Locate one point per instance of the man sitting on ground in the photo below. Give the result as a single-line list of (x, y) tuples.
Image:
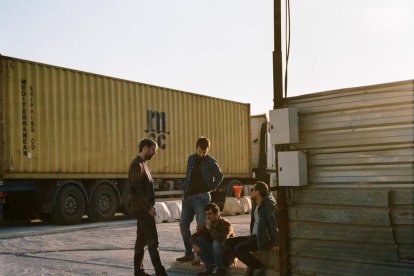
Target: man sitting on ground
[(263, 230), (208, 241)]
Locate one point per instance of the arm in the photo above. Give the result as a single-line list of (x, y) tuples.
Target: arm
[(222, 233), (271, 221), (187, 174), (136, 188), (217, 173), (200, 232)]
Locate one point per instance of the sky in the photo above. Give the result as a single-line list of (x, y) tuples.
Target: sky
[(220, 48)]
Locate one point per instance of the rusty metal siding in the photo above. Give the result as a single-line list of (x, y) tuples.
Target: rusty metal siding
[(360, 136), (85, 125), (360, 150)]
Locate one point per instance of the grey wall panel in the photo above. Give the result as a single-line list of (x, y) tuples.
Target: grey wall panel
[(360, 152)]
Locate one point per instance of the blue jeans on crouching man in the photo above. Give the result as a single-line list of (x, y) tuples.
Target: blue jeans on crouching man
[(211, 253), (192, 205)]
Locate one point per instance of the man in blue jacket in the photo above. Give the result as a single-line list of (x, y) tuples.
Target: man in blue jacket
[(264, 234), (203, 176)]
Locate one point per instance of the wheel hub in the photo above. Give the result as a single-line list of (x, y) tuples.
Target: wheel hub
[(104, 203), (71, 205)]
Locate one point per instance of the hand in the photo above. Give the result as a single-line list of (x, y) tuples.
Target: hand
[(275, 249), (208, 224), (152, 212), (196, 249)]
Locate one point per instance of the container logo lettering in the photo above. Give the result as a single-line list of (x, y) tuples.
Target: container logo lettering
[(157, 127), (28, 125)]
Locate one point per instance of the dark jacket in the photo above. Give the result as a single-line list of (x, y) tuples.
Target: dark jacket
[(219, 231), (210, 171), (267, 232), (141, 190)]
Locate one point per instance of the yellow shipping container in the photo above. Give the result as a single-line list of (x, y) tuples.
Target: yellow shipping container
[(58, 123)]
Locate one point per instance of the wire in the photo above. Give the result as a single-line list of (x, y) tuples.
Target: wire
[(287, 42)]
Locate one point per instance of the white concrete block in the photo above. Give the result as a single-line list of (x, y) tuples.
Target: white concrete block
[(175, 209), (163, 214), (230, 206), (247, 204)]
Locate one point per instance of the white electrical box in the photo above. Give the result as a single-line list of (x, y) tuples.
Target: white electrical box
[(272, 179), (270, 154), (284, 126), (292, 168)]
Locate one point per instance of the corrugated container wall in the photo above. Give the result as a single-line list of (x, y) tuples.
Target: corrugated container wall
[(356, 216), (256, 122), (61, 123)]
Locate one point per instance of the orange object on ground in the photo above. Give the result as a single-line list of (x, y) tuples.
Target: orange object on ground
[(237, 191)]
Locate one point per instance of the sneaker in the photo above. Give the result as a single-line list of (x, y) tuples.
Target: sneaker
[(185, 258)]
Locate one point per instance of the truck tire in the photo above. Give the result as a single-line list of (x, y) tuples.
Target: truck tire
[(70, 205), (104, 203)]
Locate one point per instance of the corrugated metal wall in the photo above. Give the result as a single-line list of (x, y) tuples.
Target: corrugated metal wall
[(356, 216), (65, 123)]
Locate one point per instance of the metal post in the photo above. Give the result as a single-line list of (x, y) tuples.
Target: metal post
[(283, 222), (277, 58)]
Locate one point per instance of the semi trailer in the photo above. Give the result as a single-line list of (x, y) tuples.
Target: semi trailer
[(67, 138)]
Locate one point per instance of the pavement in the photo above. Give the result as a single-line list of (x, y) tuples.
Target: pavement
[(104, 248)]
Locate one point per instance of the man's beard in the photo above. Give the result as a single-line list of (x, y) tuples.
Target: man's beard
[(149, 156), (199, 157)]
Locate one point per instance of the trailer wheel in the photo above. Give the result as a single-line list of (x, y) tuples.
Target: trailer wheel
[(70, 206), (104, 203)]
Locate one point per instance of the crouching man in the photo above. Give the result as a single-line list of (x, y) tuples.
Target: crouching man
[(263, 230), (209, 239)]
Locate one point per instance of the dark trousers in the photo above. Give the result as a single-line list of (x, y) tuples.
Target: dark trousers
[(147, 235), (241, 247)]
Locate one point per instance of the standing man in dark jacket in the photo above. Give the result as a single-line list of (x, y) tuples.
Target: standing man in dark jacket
[(264, 234), (141, 205), (203, 176)]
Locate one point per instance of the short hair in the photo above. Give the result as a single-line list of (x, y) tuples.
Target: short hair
[(203, 143), (262, 188), (147, 142), (212, 206)]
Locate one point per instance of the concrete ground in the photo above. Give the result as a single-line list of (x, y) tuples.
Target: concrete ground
[(104, 248)]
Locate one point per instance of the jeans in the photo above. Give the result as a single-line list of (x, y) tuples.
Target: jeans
[(212, 253), (192, 205), (241, 247), (147, 235)]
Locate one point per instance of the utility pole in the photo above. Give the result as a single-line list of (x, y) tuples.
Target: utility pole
[(277, 57), (278, 102)]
